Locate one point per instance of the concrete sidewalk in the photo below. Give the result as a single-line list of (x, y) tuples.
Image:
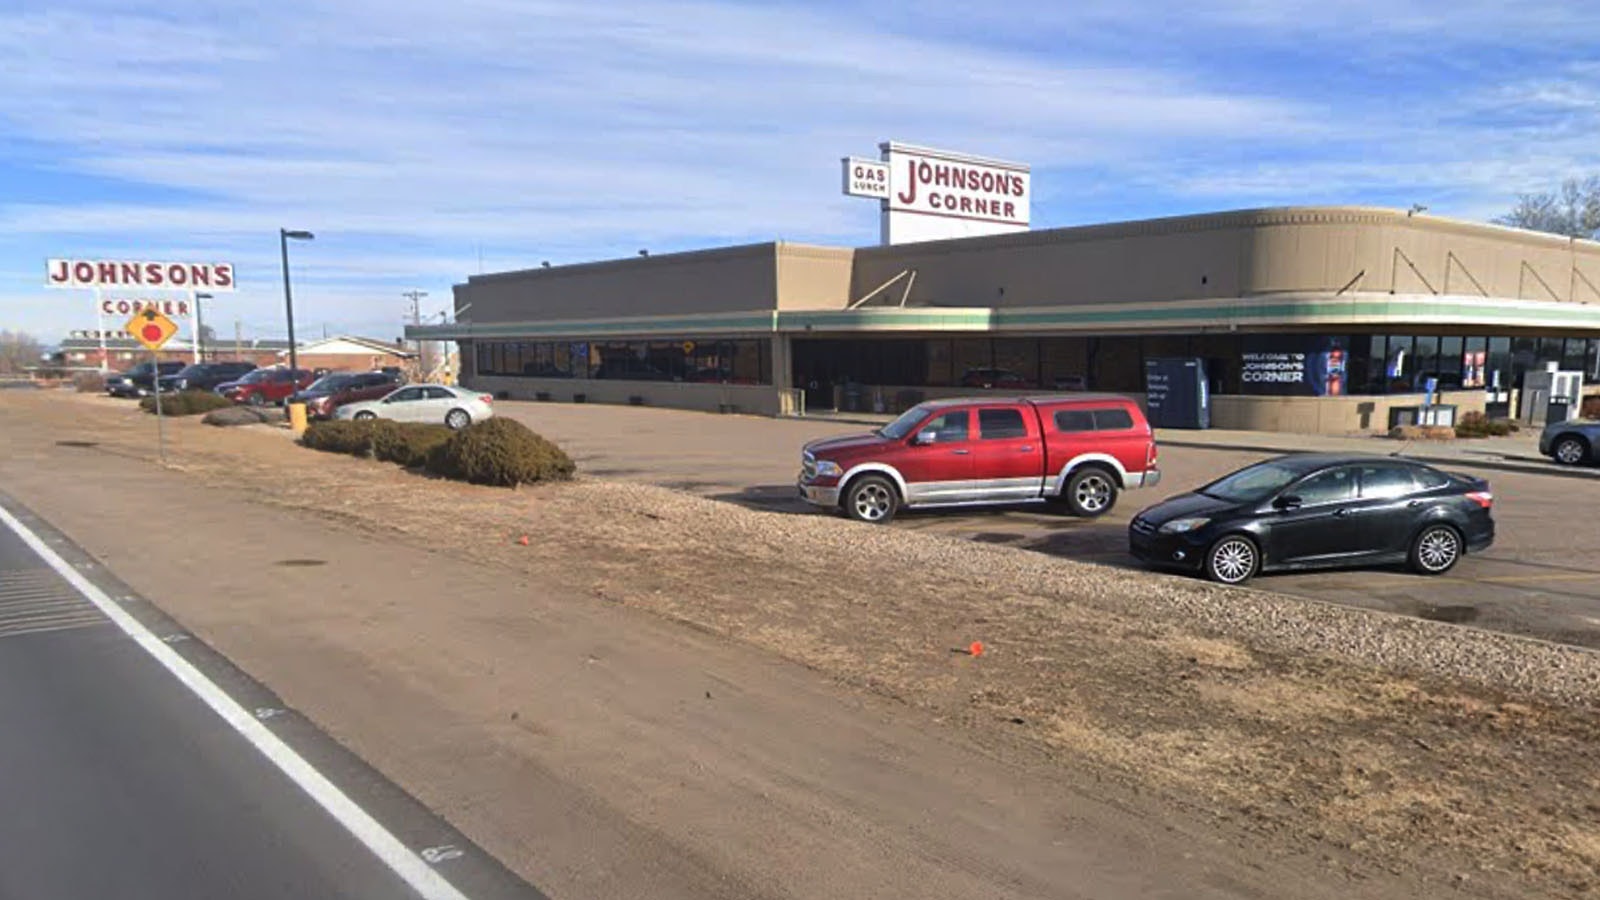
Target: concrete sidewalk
[(1514, 453)]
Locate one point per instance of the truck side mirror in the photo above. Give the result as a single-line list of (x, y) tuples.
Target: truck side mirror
[(925, 437)]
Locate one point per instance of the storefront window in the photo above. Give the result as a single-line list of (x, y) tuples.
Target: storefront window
[(1118, 365), (1591, 365), (1425, 354), (1572, 358), (1475, 362), (1018, 361), (1524, 356), (937, 356), (1367, 360), (1450, 369), (1221, 353), (972, 359), (1499, 364), (1399, 364), (1064, 362)]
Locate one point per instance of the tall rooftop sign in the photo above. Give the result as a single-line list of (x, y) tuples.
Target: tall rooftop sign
[(931, 195)]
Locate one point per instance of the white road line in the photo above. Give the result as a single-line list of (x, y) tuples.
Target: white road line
[(361, 825)]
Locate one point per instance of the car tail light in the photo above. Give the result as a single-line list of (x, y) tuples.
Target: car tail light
[(1484, 499), (487, 398)]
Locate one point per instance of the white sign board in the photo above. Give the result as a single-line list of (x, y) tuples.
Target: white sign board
[(866, 177), (937, 194), (119, 273)]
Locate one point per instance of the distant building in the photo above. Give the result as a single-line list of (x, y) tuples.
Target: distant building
[(345, 353)]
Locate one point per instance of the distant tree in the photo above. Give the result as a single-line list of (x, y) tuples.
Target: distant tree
[(1573, 211), (18, 351), (208, 335)]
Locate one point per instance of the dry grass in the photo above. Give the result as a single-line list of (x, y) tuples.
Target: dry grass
[(1300, 748)]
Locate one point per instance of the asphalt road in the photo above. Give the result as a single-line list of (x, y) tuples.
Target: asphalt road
[(117, 781), (1541, 578)]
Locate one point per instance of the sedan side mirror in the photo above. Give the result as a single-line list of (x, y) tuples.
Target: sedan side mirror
[(925, 437), (1287, 501)]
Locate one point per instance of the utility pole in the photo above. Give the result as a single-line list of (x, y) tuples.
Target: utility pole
[(238, 340), (416, 319)]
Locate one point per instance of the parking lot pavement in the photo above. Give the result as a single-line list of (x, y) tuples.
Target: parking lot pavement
[(1541, 578)]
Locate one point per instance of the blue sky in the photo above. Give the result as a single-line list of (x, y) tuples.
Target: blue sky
[(417, 138)]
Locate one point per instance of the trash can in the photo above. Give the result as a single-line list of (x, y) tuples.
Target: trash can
[(1557, 409)]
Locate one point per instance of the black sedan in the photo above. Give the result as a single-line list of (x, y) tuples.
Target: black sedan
[(1311, 510)]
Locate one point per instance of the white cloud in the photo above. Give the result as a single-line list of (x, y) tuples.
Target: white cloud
[(410, 134)]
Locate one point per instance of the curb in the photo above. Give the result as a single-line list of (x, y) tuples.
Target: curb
[(1507, 465)]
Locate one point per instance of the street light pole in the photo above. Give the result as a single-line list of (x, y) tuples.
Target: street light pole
[(200, 327), (284, 235)]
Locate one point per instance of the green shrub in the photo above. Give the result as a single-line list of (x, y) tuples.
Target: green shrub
[(500, 452), (407, 443), (354, 438), (186, 403), (1475, 424)]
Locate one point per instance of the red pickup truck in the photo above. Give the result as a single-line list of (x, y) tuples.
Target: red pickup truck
[(1077, 450)]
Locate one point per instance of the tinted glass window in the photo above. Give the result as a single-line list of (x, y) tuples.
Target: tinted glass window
[(1001, 423), (1428, 479), (951, 427), (1327, 487), (1074, 420), (1112, 420), (1385, 482), (407, 394), (437, 393)]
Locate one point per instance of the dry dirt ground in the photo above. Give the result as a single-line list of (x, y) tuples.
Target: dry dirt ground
[(1461, 760)]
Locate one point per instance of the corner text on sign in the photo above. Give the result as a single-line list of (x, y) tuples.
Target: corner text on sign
[(129, 307)]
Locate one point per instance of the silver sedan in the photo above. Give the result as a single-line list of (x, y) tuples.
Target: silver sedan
[(456, 407)]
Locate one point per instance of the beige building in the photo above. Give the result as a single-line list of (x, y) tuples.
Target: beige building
[(1319, 319)]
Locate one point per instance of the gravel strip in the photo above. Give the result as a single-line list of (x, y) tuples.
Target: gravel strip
[(1272, 622)]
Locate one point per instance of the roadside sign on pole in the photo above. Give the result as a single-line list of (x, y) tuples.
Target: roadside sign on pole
[(151, 329)]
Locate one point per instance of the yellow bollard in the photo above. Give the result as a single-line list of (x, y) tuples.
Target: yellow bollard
[(297, 418)]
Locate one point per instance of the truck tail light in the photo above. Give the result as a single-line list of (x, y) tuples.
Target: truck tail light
[(1150, 456), (1484, 499)]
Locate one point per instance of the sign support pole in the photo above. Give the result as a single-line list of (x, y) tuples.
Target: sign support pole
[(194, 324), (100, 328), (161, 425)]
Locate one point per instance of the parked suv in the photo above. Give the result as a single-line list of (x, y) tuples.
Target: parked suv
[(204, 376), (140, 380), (335, 389), (1077, 450), (264, 386), (1570, 443)]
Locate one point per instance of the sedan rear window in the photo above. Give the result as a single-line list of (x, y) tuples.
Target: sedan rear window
[(1386, 482)]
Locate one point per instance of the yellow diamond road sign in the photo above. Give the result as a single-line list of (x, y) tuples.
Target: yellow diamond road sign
[(151, 328)]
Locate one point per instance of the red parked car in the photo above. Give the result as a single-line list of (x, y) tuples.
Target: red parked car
[(335, 389), (1078, 450), (264, 386)]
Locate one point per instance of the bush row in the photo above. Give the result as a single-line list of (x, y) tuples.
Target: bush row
[(186, 403), (499, 452), (1476, 424)]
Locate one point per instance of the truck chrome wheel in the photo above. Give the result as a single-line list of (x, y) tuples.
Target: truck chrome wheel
[(871, 499), (1091, 492)]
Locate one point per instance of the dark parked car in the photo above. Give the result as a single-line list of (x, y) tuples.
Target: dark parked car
[(1310, 510), (1003, 379), (335, 389), (140, 380), (1570, 443), (205, 376)]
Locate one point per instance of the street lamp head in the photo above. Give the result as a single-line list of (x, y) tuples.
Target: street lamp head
[(297, 235), (202, 296)]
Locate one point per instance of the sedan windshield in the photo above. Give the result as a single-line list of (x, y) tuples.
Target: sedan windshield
[(902, 426), (1251, 485)]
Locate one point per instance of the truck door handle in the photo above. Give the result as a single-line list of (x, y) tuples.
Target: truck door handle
[(1413, 504), (1027, 449), (961, 452), (1341, 513)]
